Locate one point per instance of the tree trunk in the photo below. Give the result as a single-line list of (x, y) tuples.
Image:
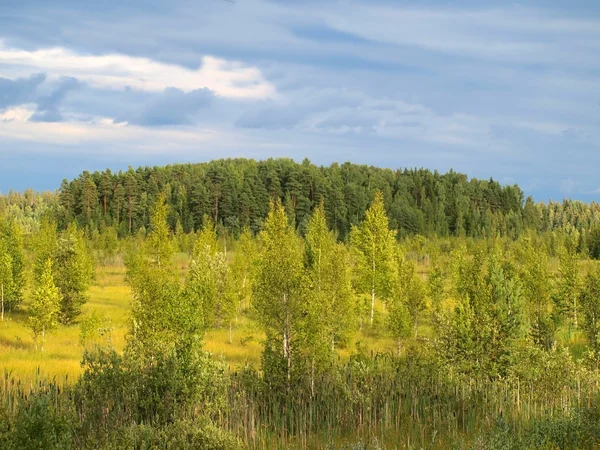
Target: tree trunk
[(373, 285), (286, 339), (372, 304), (2, 302), (312, 378)]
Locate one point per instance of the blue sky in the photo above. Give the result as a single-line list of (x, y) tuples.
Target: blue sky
[(491, 89)]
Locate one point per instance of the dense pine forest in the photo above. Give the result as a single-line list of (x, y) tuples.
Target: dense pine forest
[(235, 194), (389, 309)]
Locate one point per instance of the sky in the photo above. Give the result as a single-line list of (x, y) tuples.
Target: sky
[(492, 89)]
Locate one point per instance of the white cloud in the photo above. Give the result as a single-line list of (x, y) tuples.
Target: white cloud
[(116, 71), (17, 127)]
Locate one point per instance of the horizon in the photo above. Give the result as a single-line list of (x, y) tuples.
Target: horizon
[(508, 92), (122, 170)]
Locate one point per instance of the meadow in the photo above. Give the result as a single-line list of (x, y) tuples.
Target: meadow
[(110, 296)]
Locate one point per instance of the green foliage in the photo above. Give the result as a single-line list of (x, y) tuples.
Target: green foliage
[(373, 245), (498, 372), (411, 293), (242, 268), (95, 329), (480, 337), (40, 425), (590, 308), (73, 270), (566, 290), (235, 194), (330, 315), (45, 307), (209, 285), (12, 265), (537, 290), (279, 296)]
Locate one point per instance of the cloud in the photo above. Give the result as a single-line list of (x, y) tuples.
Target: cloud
[(19, 90), (18, 126), (48, 105), (172, 107), (117, 71)]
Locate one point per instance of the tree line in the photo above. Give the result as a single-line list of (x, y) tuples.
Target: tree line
[(235, 193)]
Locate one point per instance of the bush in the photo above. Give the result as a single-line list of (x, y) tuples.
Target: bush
[(40, 424)]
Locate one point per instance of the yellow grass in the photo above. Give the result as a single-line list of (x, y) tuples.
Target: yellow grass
[(110, 296)]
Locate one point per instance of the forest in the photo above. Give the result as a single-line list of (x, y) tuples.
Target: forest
[(269, 304)]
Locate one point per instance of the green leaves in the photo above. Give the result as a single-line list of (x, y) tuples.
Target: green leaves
[(279, 291), (590, 308), (372, 245), (73, 270), (488, 320), (331, 315), (12, 265), (44, 308)]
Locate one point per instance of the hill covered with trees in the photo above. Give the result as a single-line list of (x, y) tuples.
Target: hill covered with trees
[(235, 194)]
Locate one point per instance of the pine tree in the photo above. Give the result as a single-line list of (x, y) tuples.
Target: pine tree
[(44, 309), (131, 194)]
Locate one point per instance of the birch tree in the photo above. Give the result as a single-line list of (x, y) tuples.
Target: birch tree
[(12, 262), (278, 294), (5, 273), (566, 291), (590, 306), (372, 246), (44, 309), (330, 281), (242, 265)]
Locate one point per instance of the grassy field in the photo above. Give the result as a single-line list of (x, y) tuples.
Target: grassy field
[(110, 296)]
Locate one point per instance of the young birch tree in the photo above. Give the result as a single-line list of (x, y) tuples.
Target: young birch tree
[(242, 265), (373, 246), (278, 295), (44, 309), (590, 308), (567, 284), (330, 281), (200, 283)]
